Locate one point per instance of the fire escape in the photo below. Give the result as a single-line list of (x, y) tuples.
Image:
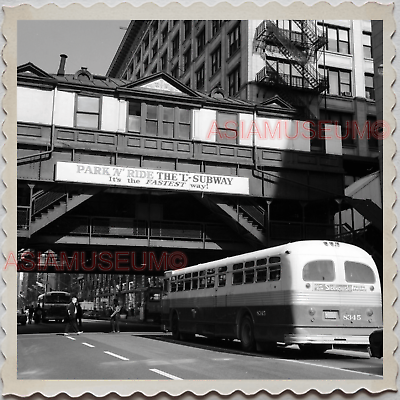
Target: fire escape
[(300, 49)]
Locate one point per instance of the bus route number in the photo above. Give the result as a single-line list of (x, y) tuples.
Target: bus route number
[(352, 317)]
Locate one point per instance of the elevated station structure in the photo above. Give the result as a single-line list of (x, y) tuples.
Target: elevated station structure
[(147, 169)]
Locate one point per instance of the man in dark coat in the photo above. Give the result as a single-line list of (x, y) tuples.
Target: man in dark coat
[(71, 318), (79, 313)]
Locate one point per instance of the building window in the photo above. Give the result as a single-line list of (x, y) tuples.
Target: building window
[(154, 50), (338, 40), (227, 124), (234, 40), (374, 131), (200, 78), (134, 113), (175, 71), (154, 28), (367, 45), (146, 64), (216, 60), (146, 42), (234, 81), (339, 81), (138, 75), (201, 41), (187, 27), (184, 121), (168, 121), (344, 121), (369, 87), (215, 27), (87, 112), (164, 34), (151, 120), (187, 59), (137, 59), (175, 45), (164, 62)]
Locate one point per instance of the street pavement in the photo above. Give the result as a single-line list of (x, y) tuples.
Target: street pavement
[(142, 351)]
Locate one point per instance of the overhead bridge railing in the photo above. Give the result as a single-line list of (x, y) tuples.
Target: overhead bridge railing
[(43, 200)]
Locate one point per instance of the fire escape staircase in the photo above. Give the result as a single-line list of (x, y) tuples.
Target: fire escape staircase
[(269, 34), (47, 206), (246, 218)]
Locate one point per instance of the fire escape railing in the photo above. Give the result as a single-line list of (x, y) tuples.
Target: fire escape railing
[(269, 37)]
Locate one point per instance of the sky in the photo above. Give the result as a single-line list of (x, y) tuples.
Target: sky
[(90, 44)]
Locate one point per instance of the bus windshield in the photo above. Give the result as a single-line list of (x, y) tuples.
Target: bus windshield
[(57, 298)]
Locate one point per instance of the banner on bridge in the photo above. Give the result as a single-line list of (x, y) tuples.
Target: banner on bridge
[(150, 178)]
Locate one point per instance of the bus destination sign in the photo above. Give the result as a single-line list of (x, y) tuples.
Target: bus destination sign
[(331, 287)]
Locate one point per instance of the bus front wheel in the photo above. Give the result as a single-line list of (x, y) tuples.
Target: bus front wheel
[(247, 334)]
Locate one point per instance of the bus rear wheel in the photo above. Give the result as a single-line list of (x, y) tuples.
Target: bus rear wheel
[(247, 334)]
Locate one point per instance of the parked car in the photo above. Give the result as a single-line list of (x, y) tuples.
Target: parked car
[(21, 318), (376, 343)]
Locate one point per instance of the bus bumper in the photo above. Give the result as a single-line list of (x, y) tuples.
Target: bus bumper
[(326, 339)]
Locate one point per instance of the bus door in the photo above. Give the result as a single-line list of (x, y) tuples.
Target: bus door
[(165, 306), (220, 300)]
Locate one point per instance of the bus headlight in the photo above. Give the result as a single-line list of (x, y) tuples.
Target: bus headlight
[(369, 312), (311, 311), (308, 285), (372, 288)]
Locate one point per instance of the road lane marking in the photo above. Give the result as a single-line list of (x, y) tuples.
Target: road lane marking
[(87, 344), (327, 366), (157, 371), (69, 337), (116, 355)]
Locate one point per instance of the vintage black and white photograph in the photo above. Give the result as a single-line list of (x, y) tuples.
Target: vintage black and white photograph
[(200, 200)]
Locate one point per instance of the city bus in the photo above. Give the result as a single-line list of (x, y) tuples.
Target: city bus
[(54, 305), (315, 294)]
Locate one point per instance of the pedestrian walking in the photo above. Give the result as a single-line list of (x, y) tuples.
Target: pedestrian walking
[(116, 310), (30, 313), (38, 314), (79, 315), (71, 318)]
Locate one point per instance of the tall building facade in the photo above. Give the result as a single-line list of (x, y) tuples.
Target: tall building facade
[(255, 60)]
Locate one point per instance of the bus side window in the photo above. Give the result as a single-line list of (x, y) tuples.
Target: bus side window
[(262, 274), (273, 260), (275, 273), (210, 281), (237, 278), (195, 283), (180, 283), (166, 285), (202, 283), (222, 269), (187, 284), (249, 276), (173, 284), (221, 280)]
